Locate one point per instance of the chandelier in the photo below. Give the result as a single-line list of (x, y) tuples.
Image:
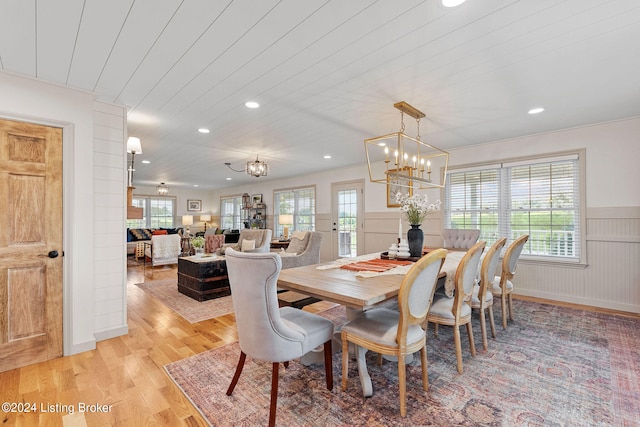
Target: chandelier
[(408, 161), (162, 189), (257, 168)]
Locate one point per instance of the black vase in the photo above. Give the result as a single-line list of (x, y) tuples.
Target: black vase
[(415, 238)]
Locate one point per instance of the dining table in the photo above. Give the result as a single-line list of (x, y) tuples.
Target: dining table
[(358, 290)]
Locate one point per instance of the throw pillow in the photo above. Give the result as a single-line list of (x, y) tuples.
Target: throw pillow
[(248, 245), (299, 234), (296, 245), (147, 233), (138, 234), (159, 232)]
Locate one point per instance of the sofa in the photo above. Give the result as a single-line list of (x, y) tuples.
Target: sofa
[(135, 235)]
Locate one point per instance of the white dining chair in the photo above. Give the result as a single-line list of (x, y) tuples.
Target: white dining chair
[(265, 331), (503, 284), (482, 298), (398, 333), (455, 311)]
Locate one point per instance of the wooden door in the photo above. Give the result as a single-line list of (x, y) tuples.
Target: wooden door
[(30, 238)]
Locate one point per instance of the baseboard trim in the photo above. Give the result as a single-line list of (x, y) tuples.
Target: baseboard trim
[(111, 333), (625, 309)]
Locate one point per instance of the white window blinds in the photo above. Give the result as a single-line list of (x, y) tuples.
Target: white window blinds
[(540, 198)]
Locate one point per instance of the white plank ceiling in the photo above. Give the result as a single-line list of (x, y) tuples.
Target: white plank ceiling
[(326, 73)]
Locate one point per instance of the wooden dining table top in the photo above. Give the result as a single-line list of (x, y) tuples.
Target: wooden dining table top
[(340, 285)]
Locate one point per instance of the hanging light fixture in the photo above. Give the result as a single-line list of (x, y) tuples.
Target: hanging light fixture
[(408, 161), (257, 168), (162, 189)]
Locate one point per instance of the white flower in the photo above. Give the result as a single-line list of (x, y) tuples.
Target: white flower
[(416, 207)]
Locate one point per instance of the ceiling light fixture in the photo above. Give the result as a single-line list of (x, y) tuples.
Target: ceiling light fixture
[(204, 130), (452, 3), (536, 110), (255, 168), (412, 159), (327, 156), (252, 104), (162, 189)]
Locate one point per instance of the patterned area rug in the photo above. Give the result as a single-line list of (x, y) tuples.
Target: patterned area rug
[(552, 366), (194, 311)]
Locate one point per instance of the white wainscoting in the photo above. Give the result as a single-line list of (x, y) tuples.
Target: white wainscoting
[(611, 278)]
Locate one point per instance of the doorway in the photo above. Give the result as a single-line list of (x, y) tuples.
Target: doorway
[(347, 219), (31, 244)]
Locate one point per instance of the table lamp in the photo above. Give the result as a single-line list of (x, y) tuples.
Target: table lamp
[(187, 220), (285, 220), (205, 218)]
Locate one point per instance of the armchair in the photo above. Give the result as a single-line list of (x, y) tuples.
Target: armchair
[(307, 251), (164, 249), (261, 237)]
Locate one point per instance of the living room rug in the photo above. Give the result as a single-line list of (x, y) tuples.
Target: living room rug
[(166, 291), (552, 366)]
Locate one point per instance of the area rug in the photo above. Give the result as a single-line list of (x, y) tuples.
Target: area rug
[(192, 310), (552, 366)]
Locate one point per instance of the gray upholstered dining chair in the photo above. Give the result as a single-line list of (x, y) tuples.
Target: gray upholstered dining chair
[(502, 285), (482, 298), (455, 311), (398, 333), (266, 332), (459, 238)]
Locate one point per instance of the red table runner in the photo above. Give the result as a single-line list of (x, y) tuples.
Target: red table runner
[(378, 265)]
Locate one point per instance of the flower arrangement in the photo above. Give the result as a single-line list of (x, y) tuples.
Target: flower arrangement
[(197, 242), (416, 207)]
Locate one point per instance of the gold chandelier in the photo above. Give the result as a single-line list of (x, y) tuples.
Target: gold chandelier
[(257, 168), (408, 161)]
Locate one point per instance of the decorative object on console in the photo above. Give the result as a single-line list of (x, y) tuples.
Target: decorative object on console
[(187, 220), (134, 147), (285, 220), (416, 208), (198, 244), (162, 189), (412, 158)]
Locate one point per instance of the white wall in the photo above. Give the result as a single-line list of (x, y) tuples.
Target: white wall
[(75, 111)]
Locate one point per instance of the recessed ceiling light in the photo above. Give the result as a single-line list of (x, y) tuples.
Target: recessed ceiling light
[(536, 110), (146, 162), (452, 3), (327, 156), (204, 130), (228, 179), (251, 104), (195, 185)]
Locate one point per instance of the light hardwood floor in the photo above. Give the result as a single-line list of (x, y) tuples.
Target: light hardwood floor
[(125, 372)]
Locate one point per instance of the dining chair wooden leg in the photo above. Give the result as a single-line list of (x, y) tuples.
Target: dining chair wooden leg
[(492, 322), (472, 344), (504, 311), (345, 361), (510, 308), (458, 344), (483, 329), (435, 329), (274, 393), (328, 364), (402, 382), (236, 376), (425, 371)]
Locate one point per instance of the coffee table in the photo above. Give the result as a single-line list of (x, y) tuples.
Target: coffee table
[(203, 277)]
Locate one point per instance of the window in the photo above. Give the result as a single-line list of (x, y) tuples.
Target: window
[(230, 212), (538, 197), (301, 203), (157, 212)]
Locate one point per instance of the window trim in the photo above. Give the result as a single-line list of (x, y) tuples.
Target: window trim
[(148, 198), (582, 262), (277, 228), (232, 196)]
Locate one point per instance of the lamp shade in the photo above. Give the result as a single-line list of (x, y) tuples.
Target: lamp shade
[(205, 218), (133, 145), (285, 219), (187, 219)]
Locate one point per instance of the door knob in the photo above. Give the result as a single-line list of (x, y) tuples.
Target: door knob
[(53, 254)]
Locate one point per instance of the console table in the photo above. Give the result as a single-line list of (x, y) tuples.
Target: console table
[(203, 278)]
